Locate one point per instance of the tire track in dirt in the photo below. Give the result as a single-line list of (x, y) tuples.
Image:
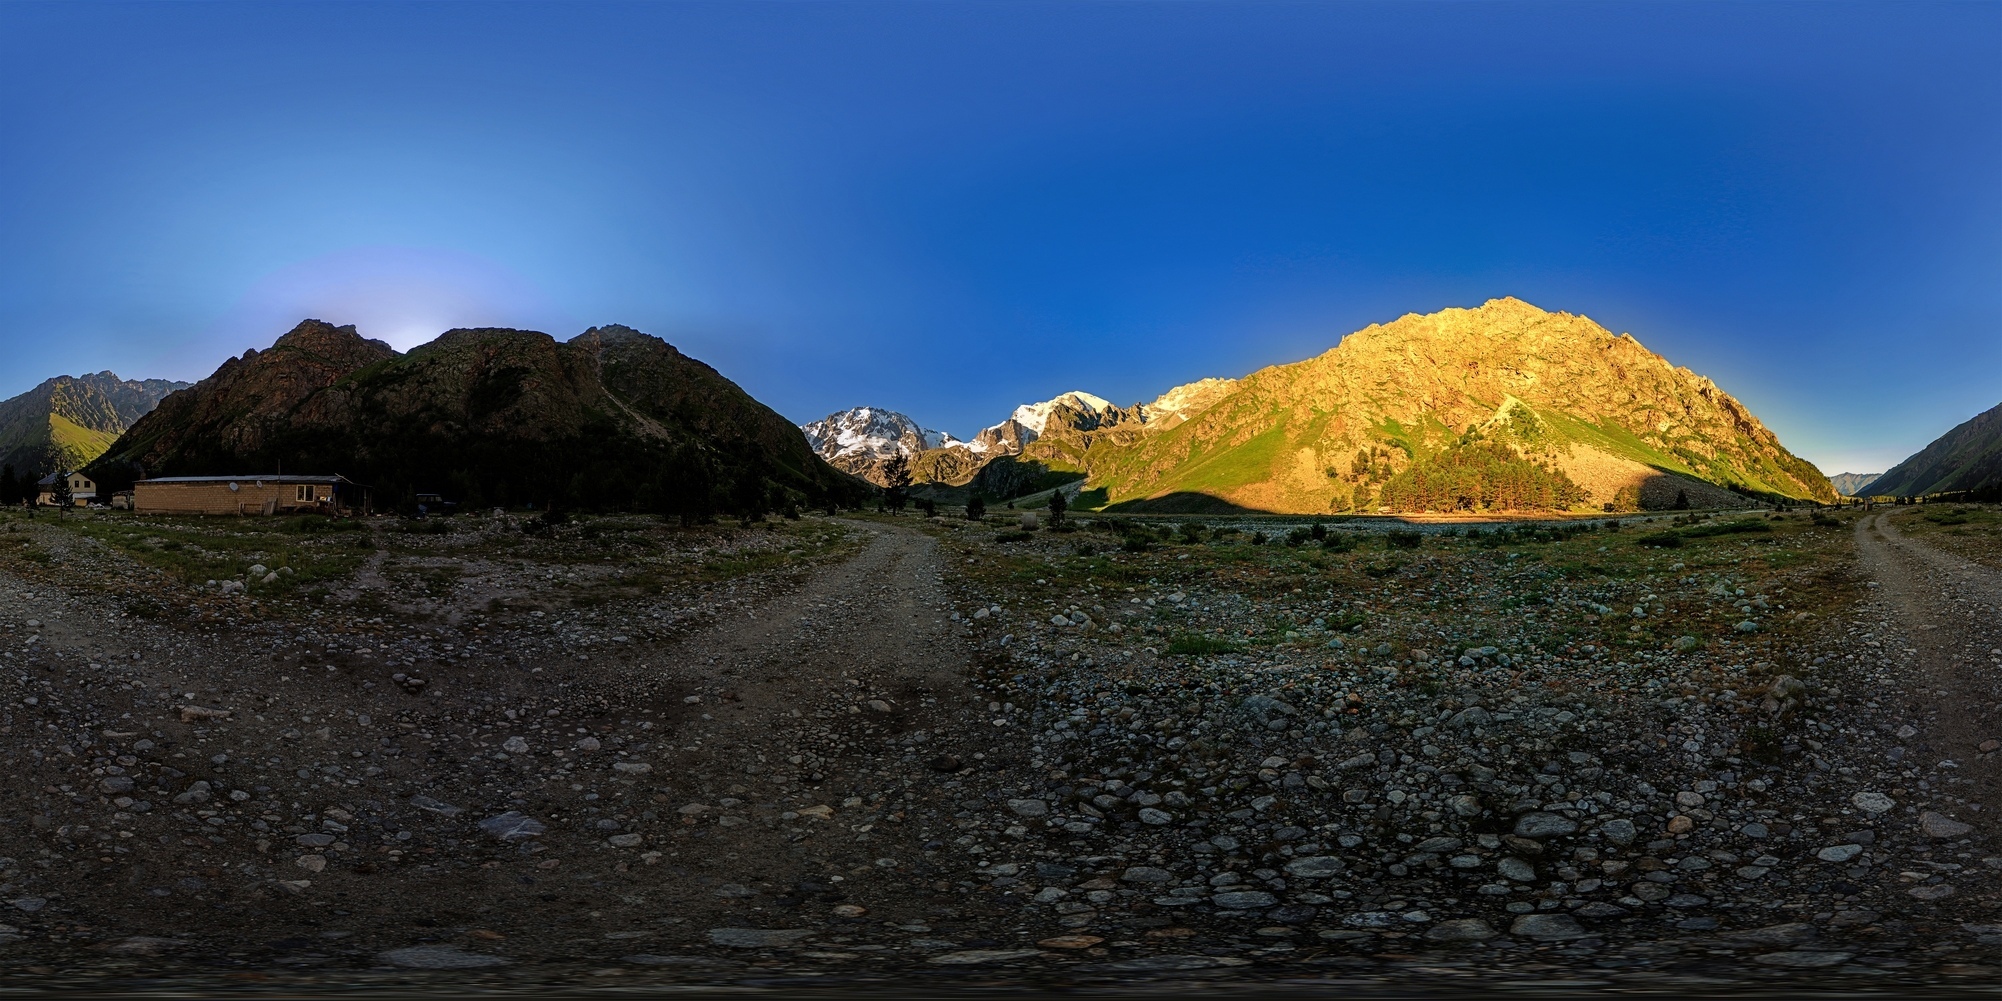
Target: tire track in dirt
[(1950, 610), (792, 711)]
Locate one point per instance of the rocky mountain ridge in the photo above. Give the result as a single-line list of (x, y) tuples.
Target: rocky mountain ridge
[(610, 418), (1968, 457), (1846, 484), (1464, 409), (1454, 410), (67, 421), (861, 440)]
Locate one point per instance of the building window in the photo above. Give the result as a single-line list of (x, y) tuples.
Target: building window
[(305, 493)]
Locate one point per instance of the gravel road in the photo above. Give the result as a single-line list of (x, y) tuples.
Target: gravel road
[(1951, 609)]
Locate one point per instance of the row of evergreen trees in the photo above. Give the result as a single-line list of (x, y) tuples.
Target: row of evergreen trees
[(15, 489)]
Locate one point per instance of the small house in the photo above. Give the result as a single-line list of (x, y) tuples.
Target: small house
[(329, 495), (82, 489)]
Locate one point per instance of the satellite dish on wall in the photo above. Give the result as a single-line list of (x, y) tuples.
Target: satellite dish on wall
[(233, 487)]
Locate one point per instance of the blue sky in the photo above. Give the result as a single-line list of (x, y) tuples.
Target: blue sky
[(951, 208)]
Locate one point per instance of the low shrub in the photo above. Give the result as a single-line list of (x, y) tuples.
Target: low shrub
[(1196, 644)]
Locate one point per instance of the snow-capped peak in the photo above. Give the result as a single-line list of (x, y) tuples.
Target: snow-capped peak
[(872, 432), (1034, 415)]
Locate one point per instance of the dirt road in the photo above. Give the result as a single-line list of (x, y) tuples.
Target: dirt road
[(779, 768), (828, 697), (1951, 610)]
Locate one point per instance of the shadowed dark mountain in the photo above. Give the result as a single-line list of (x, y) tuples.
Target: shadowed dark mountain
[(611, 419)]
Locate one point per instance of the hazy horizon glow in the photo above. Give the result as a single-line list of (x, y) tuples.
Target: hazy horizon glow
[(948, 209)]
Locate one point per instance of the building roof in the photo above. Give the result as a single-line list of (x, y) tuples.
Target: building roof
[(50, 480), (287, 478)]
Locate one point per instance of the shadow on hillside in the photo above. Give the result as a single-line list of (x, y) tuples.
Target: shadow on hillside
[(1182, 502), (1663, 490)]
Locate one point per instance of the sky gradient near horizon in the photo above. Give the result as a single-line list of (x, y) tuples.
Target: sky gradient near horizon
[(951, 208)]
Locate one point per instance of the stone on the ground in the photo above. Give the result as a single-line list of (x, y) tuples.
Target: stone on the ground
[(1938, 825), (757, 938), (975, 957), (1804, 959), (1548, 928), (1544, 825), (513, 826), (438, 957), (1461, 930), (1872, 802)]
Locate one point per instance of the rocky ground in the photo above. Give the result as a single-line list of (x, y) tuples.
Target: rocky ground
[(1709, 752)]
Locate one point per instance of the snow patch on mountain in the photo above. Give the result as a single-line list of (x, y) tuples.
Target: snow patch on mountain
[(1185, 401), (1035, 415), (871, 433)]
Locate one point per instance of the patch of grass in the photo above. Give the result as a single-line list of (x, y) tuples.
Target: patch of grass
[(1400, 539), (1348, 623), (1195, 644), (1727, 528), (1675, 538), (195, 550), (318, 524)]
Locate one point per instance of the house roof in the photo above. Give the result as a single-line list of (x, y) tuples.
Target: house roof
[(50, 480), (288, 478)]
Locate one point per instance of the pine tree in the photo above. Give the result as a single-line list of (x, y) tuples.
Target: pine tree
[(897, 481), (688, 487), (749, 495), (1681, 501), (10, 491), (59, 492), (1057, 507), (976, 508)]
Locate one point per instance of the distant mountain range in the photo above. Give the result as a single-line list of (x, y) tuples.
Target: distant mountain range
[(860, 440), (612, 418), (1505, 406), (1501, 407), (1969, 457), (1846, 484), (67, 421)]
